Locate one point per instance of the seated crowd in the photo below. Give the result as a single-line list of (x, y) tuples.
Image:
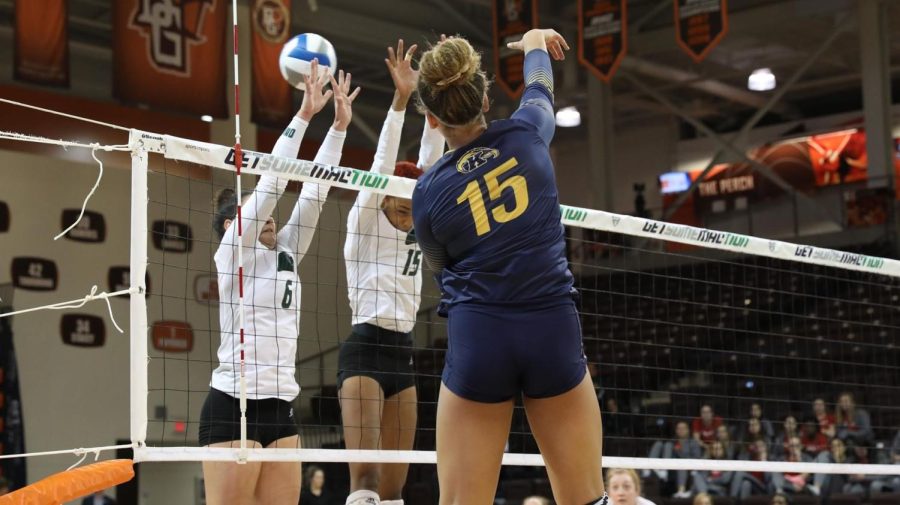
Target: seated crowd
[(845, 436)]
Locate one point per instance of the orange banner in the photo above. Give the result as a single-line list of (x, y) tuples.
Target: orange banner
[(602, 36), (42, 42), (512, 18), (272, 97), (700, 26), (170, 54)]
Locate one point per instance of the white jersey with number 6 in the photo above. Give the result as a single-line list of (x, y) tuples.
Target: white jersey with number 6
[(384, 264), (271, 285)]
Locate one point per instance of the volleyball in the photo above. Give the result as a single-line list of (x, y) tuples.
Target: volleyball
[(298, 53)]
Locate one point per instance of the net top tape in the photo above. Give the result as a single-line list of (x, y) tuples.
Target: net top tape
[(222, 157), (162, 454)]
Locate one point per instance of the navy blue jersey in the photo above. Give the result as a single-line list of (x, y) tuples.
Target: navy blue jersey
[(487, 215)]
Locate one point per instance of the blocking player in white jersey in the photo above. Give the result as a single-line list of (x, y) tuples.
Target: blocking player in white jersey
[(384, 283), (271, 315)]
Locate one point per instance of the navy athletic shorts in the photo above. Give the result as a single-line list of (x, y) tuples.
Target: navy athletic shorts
[(495, 353)]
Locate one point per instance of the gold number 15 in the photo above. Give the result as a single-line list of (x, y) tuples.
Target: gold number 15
[(474, 196)]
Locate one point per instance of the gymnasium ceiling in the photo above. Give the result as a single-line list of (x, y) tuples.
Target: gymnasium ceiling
[(779, 34)]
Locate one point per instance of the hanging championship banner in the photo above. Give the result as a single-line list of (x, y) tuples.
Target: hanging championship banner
[(602, 36), (700, 25), (270, 27), (42, 42), (512, 18), (170, 54)]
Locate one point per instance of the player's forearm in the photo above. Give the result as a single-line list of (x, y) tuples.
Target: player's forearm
[(389, 142), (329, 154), (431, 147)]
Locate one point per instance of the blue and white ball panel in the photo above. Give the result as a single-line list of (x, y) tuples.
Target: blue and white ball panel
[(298, 53)]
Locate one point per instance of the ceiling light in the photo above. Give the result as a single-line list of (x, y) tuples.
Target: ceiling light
[(762, 79), (568, 117), (206, 118)]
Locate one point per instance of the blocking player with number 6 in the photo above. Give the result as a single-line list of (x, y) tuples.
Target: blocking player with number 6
[(257, 358)]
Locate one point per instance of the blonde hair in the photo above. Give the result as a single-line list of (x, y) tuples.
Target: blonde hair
[(698, 500), (612, 472), (452, 84)]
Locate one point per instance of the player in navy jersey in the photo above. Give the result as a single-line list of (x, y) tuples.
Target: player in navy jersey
[(487, 218)]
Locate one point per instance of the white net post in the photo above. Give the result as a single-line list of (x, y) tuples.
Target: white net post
[(138, 300)]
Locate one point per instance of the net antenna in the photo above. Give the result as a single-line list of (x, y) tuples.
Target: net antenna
[(238, 161)]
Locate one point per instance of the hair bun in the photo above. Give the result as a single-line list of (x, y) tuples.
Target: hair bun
[(455, 62)]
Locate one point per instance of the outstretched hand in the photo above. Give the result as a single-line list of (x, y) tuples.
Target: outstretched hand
[(399, 64), (314, 98), (542, 38), (343, 100)]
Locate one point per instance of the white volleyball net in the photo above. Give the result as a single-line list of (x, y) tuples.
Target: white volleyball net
[(674, 318)]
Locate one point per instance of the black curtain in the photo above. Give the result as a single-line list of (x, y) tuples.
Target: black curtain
[(12, 429)]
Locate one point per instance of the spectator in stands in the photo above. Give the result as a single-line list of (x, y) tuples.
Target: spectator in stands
[(313, 491), (624, 487), (814, 441), (745, 484), (779, 499), (715, 482), (825, 419), (795, 482), (788, 431), (839, 483), (536, 500), (854, 426), (723, 435), (704, 427), (703, 499), (890, 484), (4, 486), (753, 435), (767, 428), (683, 447), (615, 423)]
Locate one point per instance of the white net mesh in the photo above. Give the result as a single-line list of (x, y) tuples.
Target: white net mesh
[(674, 318)]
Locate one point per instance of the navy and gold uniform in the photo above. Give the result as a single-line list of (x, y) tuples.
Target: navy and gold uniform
[(487, 218)]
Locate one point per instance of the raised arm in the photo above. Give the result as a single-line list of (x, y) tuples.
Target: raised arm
[(536, 106), (300, 228), (261, 203), (399, 64), (431, 147)]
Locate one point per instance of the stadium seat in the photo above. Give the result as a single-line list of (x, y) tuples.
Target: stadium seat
[(885, 499), (419, 493), (794, 500), (677, 501), (541, 487), (515, 491), (845, 499)]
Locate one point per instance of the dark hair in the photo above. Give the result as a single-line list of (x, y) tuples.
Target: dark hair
[(309, 474), (452, 84), (225, 208)]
